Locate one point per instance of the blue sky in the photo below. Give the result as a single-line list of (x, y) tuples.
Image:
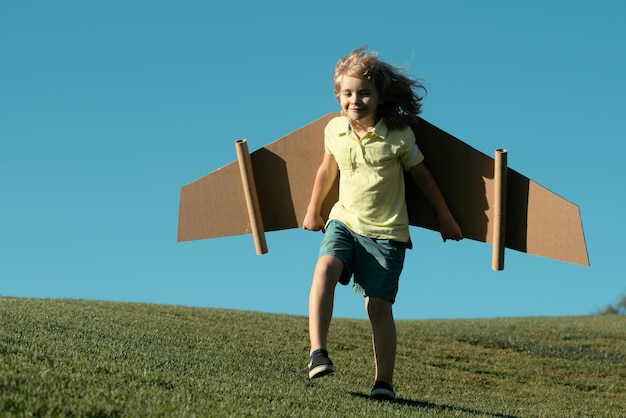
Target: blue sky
[(108, 108)]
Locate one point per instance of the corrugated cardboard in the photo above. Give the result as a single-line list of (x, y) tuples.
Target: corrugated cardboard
[(537, 220)]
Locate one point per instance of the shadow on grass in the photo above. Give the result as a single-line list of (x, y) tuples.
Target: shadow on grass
[(435, 407)]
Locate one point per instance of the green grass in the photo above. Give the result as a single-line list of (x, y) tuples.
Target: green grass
[(102, 359)]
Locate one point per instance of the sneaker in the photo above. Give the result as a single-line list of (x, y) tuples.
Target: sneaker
[(320, 365), (383, 391)]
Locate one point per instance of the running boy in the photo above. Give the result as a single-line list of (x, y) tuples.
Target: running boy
[(367, 232)]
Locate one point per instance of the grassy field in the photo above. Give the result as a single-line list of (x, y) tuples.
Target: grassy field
[(102, 359)]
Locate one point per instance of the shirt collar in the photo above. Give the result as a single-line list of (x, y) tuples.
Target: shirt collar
[(380, 130)]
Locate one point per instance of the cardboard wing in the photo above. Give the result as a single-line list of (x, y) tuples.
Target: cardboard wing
[(284, 171), (269, 190), (534, 219)]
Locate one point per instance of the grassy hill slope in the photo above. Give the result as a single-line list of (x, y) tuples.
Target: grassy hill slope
[(102, 359)]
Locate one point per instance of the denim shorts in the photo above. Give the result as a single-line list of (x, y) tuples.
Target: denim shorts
[(376, 264)]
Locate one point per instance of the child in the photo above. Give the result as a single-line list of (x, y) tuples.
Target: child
[(367, 232)]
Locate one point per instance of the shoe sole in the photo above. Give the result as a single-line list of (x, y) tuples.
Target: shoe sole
[(321, 370), (382, 395)]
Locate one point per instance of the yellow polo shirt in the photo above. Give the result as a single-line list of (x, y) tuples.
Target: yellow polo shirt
[(371, 181)]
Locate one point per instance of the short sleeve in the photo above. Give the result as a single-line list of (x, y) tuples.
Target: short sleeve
[(415, 157), (411, 155), (332, 131)]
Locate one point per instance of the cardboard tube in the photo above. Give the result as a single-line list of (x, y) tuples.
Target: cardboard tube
[(252, 199), (499, 214)]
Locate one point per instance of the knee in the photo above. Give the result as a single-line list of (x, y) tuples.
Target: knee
[(378, 309), (328, 269)]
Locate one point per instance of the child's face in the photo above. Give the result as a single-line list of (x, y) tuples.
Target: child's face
[(359, 100)]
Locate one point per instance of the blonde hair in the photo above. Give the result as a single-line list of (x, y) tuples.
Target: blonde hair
[(399, 100)]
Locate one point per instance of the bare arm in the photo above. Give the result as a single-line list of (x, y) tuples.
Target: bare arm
[(428, 185), (324, 179)]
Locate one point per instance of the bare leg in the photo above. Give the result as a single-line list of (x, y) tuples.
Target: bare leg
[(321, 299), (384, 337)]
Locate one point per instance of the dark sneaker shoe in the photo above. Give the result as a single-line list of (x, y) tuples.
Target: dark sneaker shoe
[(383, 391), (320, 365)]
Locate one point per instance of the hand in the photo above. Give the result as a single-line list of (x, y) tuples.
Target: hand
[(313, 222), (450, 230)]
